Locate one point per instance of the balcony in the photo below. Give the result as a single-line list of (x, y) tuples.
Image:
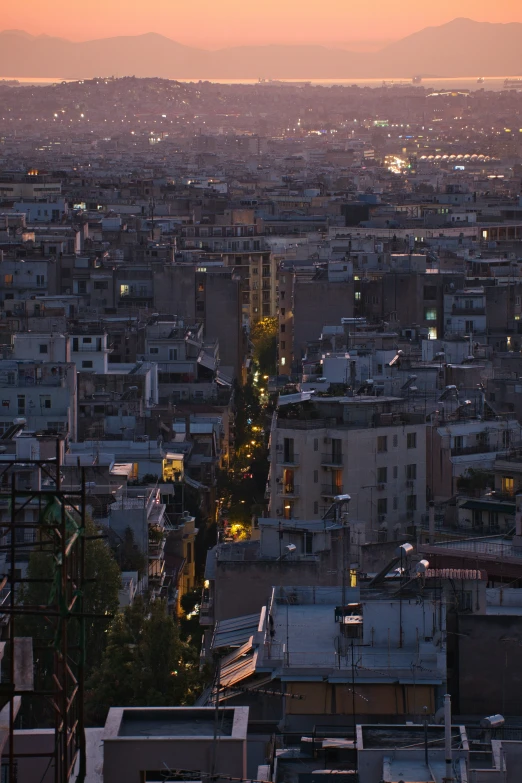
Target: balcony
[(331, 460), (456, 310), (285, 458), (479, 448), (330, 491), (288, 490)]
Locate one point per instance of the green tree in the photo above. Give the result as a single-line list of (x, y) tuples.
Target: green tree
[(145, 663), (264, 339), (101, 598)]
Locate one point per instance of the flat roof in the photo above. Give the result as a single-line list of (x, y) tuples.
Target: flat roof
[(171, 723), (141, 723)]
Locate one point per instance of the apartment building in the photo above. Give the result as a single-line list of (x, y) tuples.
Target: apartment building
[(42, 393), (462, 442), (371, 448)]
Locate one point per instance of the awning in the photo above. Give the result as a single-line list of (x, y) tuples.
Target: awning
[(223, 380), (235, 632), (292, 399), (206, 360), (195, 484), (486, 505), (238, 665)]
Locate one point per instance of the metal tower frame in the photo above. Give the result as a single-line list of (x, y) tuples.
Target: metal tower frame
[(59, 529)]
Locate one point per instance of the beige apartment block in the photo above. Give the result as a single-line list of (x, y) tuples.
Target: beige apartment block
[(371, 448)]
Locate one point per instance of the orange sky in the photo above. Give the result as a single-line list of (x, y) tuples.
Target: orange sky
[(215, 23)]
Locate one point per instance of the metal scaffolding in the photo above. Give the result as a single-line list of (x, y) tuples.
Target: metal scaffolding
[(58, 529)]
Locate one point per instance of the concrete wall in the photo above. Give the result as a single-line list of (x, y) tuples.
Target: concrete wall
[(174, 290), (127, 757), (317, 303), (223, 318), (491, 682), (245, 587)]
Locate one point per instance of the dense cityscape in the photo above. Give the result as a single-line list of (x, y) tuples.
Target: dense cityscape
[(260, 431)]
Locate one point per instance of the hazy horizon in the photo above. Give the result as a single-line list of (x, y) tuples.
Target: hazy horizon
[(208, 25)]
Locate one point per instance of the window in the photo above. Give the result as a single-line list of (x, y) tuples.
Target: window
[(458, 442), (395, 471), (283, 328), (469, 326), (508, 485), (283, 361), (430, 314), (395, 441), (316, 506), (337, 481), (153, 350), (430, 293), (382, 506), (316, 476), (308, 543), (411, 472), (173, 354), (395, 503), (283, 345), (382, 475), (40, 280), (45, 401), (87, 364), (8, 279), (382, 444), (411, 503), (21, 403), (411, 440), (357, 296), (316, 444), (42, 348)]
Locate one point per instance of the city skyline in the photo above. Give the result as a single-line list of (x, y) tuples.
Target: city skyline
[(231, 23)]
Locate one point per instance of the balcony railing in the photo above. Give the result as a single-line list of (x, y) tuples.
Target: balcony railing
[(332, 460), (288, 490), (330, 491), (285, 458)]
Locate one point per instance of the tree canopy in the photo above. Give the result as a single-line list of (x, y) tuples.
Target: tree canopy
[(146, 663)]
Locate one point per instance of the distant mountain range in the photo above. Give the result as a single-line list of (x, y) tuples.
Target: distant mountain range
[(459, 48)]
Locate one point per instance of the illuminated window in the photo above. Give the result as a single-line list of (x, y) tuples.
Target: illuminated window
[(432, 333), (283, 360), (430, 314), (508, 485)]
